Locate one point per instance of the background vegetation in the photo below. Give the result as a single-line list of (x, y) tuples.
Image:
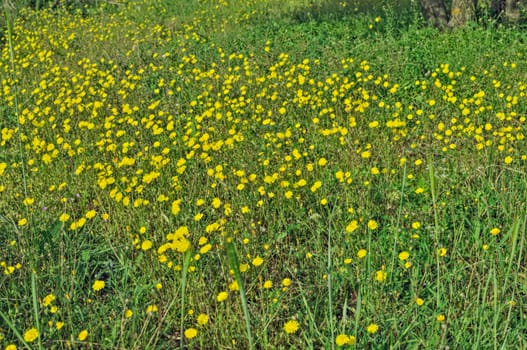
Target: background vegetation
[(212, 174)]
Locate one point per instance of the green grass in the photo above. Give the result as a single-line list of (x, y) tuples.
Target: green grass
[(233, 171)]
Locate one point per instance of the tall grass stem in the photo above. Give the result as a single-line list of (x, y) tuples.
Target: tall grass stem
[(184, 273), (234, 263), (35, 307)]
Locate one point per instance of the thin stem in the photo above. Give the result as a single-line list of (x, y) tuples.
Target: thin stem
[(330, 298), (436, 223), (232, 255), (35, 306), (184, 272)]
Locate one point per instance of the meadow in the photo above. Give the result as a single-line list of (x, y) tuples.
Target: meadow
[(255, 174)]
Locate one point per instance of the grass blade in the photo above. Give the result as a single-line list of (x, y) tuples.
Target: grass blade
[(35, 306), (14, 330), (184, 273), (234, 263)]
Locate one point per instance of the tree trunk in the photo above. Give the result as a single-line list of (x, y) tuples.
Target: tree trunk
[(512, 10), (496, 8), (435, 12), (462, 11), (506, 10)]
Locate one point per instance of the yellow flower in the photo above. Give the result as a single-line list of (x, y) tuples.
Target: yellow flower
[(365, 154), (176, 208), (268, 284), (128, 313), (257, 261), (361, 253), (10, 347), (180, 232), (441, 251), (48, 299), (191, 333), (151, 308), (59, 325), (343, 339), (206, 248), (372, 328), (181, 245), (316, 186), (29, 201), (64, 217), (352, 226), (440, 318), (91, 214), (495, 231), (222, 296), (234, 286), (22, 222), (404, 255), (83, 335), (146, 245), (419, 301), (380, 276), (508, 160), (203, 319), (291, 326), (373, 225), (98, 285), (31, 335), (216, 203)]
